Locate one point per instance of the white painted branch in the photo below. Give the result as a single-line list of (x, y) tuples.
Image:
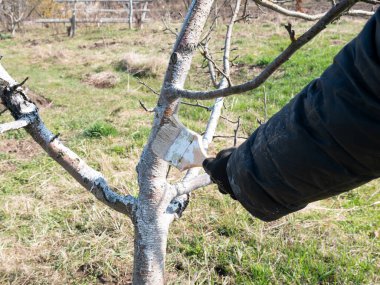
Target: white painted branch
[(360, 13), (186, 187), (192, 181), (13, 125), (330, 16), (277, 8), (217, 109), (26, 114)]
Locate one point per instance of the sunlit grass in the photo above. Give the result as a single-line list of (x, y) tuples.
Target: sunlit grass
[(53, 232)]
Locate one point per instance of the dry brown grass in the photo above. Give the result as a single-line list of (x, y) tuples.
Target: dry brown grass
[(142, 65), (105, 79)]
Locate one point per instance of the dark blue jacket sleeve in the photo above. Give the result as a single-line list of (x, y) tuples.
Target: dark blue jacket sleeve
[(325, 141)]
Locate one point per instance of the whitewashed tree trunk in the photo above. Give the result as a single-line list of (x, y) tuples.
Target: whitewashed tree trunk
[(153, 215)]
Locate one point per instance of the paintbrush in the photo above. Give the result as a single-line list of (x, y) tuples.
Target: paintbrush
[(178, 145)]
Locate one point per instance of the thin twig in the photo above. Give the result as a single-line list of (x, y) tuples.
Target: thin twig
[(217, 67), (228, 120), (208, 109), (229, 137), (236, 130), (211, 29), (291, 32), (197, 105), (211, 65), (150, 88), (3, 111), (150, 110), (167, 28), (265, 106)]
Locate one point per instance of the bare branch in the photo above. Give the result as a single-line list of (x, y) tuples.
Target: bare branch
[(150, 110), (26, 115), (211, 66), (169, 29), (373, 2), (272, 6), (265, 106), (3, 111), (330, 16), (197, 105), (208, 109), (208, 57), (150, 88), (298, 14), (291, 32), (229, 137), (210, 30), (13, 125), (236, 130)]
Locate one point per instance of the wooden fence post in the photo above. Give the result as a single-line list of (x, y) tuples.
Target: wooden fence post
[(73, 21), (130, 14)]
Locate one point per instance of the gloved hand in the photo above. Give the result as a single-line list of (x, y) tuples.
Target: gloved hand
[(217, 169)]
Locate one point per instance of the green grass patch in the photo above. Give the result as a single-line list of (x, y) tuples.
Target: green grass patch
[(100, 129)]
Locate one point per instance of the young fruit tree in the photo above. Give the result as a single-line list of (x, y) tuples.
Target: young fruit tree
[(160, 202)]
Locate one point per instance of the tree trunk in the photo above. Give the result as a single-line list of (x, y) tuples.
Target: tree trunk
[(152, 218)]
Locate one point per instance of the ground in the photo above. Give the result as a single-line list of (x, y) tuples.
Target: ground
[(54, 232)]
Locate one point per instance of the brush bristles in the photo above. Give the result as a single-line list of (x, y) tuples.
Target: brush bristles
[(165, 137)]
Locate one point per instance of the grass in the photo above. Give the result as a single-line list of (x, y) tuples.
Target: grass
[(100, 129), (53, 232)]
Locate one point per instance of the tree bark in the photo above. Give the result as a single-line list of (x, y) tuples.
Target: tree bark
[(152, 217)]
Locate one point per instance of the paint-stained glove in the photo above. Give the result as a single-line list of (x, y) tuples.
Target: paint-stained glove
[(217, 169)]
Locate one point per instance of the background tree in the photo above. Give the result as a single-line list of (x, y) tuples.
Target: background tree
[(14, 12)]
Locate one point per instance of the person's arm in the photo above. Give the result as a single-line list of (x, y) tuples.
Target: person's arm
[(325, 141)]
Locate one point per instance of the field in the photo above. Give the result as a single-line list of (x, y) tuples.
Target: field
[(54, 232)]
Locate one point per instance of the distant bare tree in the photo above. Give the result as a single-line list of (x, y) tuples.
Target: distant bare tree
[(14, 12)]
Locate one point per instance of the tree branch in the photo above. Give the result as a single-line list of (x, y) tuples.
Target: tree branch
[(210, 60), (167, 28), (26, 115), (211, 65), (360, 13), (186, 187), (147, 86), (192, 181), (21, 123), (330, 16), (149, 110), (373, 2), (277, 8)]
